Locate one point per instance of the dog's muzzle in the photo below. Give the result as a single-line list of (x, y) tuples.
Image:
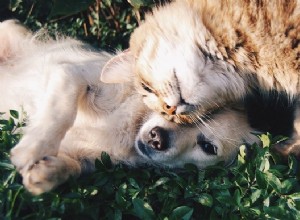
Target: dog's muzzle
[(157, 141)]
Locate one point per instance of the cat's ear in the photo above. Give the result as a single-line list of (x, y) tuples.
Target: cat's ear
[(118, 69)]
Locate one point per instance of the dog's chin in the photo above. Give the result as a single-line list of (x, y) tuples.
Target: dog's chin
[(150, 154), (147, 151), (143, 149)]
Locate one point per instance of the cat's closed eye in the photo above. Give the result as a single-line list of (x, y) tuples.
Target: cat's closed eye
[(146, 88)]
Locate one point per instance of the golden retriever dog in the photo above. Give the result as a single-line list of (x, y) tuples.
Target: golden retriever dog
[(72, 117)]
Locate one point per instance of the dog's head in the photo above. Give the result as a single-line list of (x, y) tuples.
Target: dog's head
[(168, 144)]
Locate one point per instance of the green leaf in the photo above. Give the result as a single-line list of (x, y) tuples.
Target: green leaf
[(133, 183), (255, 211), (121, 201), (105, 159), (266, 165), (293, 164), (117, 215), (14, 4), (295, 196), (237, 197), (255, 195), (287, 185), (138, 3), (261, 179), (276, 212), (160, 181), (242, 154), (182, 212), (226, 200), (69, 7), (14, 114), (7, 166), (294, 210), (205, 199), (274, 182), (266, 201), (142, 209), (265, 139)]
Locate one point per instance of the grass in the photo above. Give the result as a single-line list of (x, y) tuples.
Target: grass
[(260, 185)]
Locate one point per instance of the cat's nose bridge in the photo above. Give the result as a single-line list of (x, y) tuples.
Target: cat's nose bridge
[(175, 108), (170, 110), (170, 104)]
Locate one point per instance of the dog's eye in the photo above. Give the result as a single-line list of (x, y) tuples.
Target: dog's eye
[(206, 146), (146, 88)]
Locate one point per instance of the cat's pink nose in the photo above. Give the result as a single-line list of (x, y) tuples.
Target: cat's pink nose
[(170, 110)]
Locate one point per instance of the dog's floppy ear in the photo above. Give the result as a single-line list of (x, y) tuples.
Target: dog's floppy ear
[(118, 69)]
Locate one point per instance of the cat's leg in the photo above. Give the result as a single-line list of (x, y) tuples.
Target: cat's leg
[(57, 109)]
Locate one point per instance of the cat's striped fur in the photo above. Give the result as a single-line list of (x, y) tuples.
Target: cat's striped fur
[(193, 56)]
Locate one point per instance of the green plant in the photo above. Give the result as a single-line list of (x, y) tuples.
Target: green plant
[(104, 23), (260, 185)]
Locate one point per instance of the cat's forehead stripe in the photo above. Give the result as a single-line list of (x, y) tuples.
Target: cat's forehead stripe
[(142, 79), (149, 50)]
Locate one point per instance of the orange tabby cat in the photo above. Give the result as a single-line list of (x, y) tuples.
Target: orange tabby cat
[(195, 56)]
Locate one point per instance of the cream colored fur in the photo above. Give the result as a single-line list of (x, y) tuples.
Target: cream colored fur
[(72, 117), (194, 56)]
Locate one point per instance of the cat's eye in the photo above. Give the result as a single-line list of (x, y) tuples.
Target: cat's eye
[(207, 146), (146, 88)]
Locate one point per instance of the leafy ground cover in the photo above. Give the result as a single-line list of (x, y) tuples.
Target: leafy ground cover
[(104, 23), (260, 185)]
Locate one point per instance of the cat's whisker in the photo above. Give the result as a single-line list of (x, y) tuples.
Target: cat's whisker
[(212, 104), (211, 119), (195, 121), (229, 140), (206, 125), (213, 130), (198, 123)]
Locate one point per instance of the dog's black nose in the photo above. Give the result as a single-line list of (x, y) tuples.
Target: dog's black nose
[(158, 139)]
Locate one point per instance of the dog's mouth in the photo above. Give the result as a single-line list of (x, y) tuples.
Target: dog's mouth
[(157, 141)]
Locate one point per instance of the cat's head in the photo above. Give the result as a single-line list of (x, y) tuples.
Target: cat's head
[(177, 66)]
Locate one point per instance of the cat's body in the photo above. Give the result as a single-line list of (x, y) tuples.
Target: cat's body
[(193, 56)]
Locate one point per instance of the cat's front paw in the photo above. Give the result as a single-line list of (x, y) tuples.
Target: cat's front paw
[(46, 174)]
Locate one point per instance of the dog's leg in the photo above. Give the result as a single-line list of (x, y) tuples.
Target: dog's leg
[(50, 172), (56, 114), (72, 160)]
